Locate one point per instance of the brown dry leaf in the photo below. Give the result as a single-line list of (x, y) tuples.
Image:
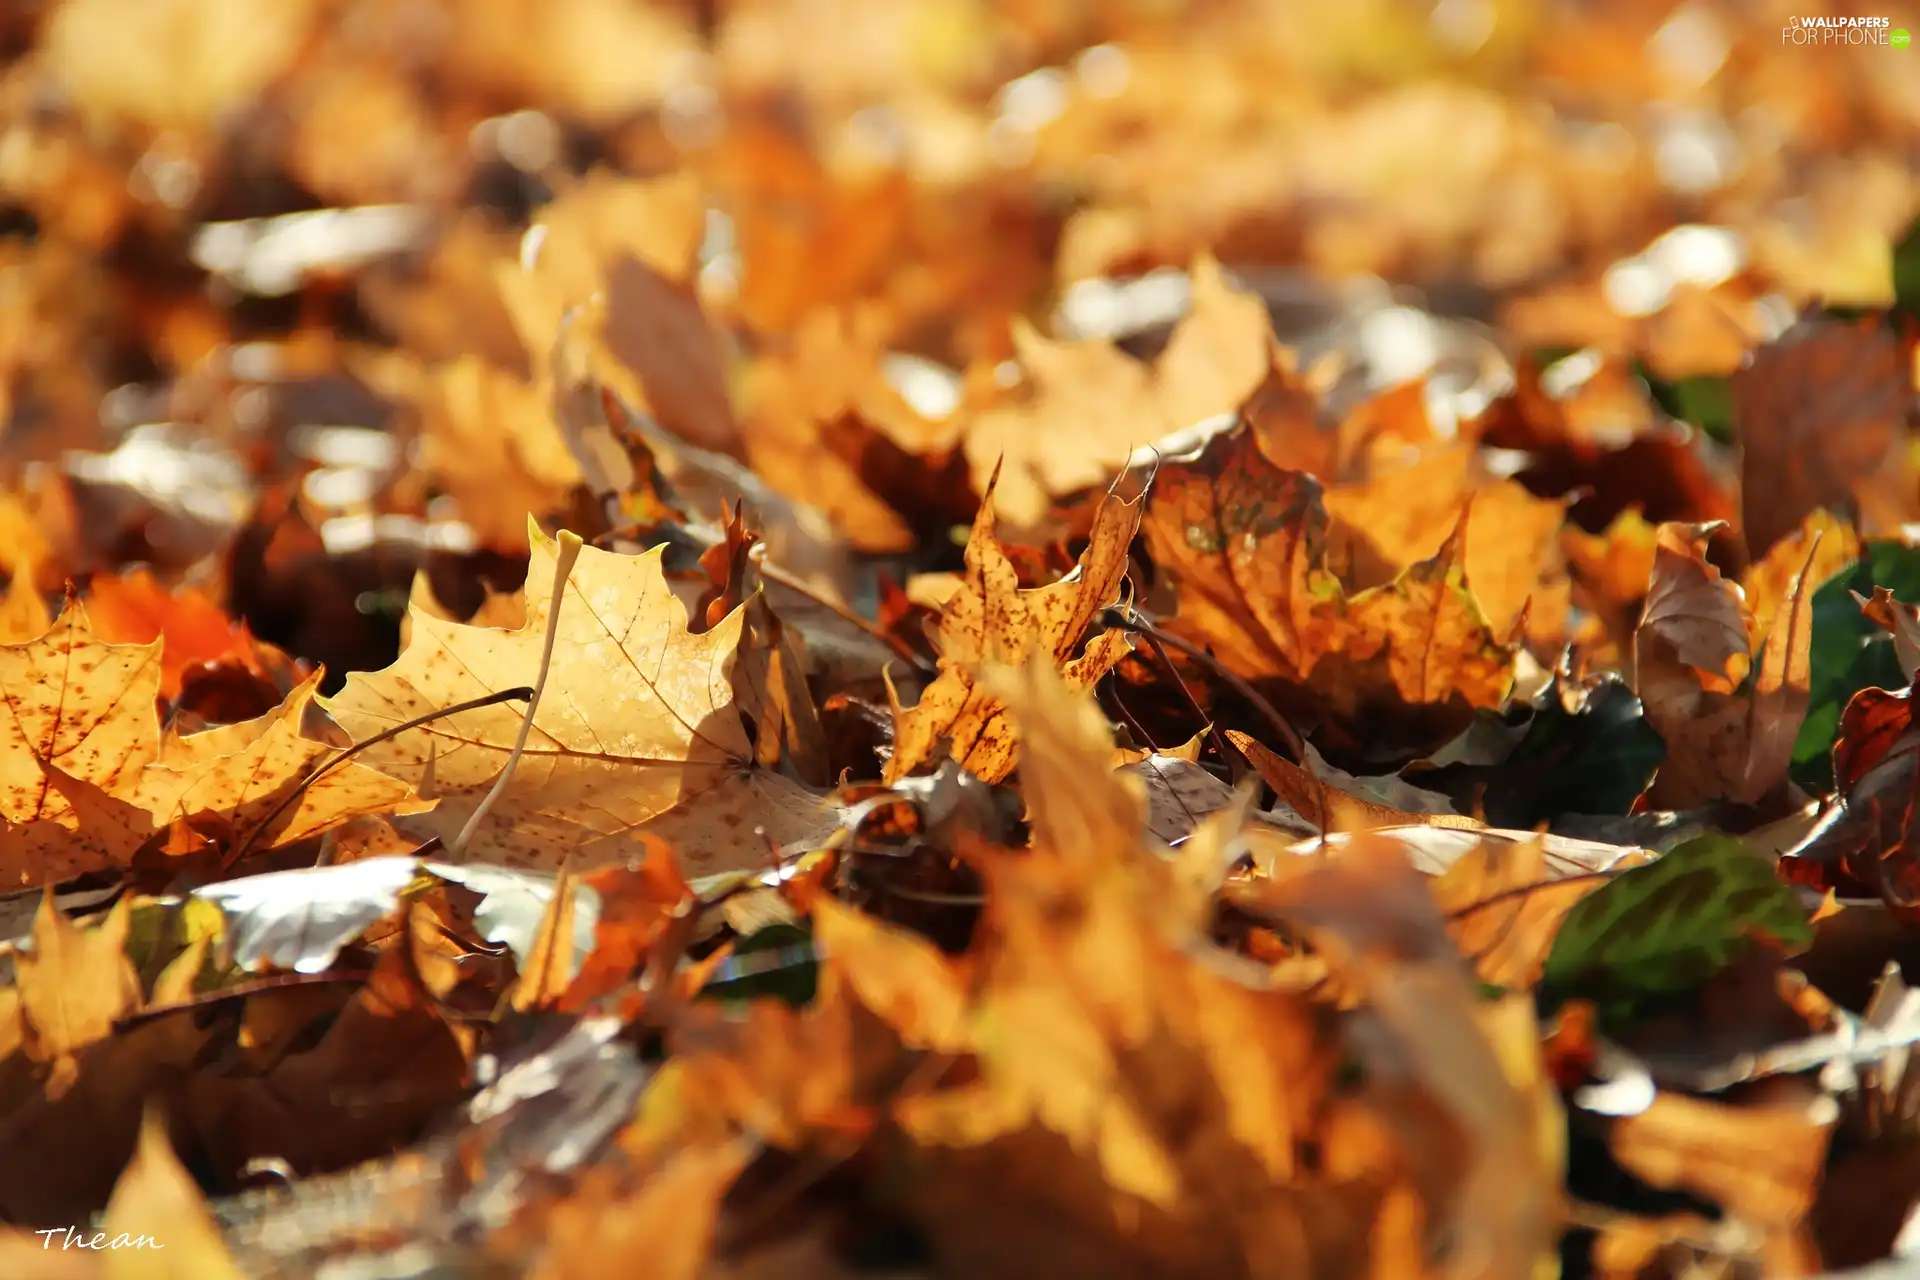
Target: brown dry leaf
[(1498, 1193), (32, 525), (376, 1072), (1091, 405), (1248, 543), (1822, 546), (770, 677), (244, 772), (157, 1201), (367, 836), (638, 733), (1182, 796), (26, 1255), (595, 61), (992, 620), (1822, 419), (638, 904), (1383, 431), (814, 237), (1327, 806), (1284, 415), (1188, 751), (898, 975), (73, 985), (1094, 1013), (81, 705), (1627, 1248), (1693, 612), (1703, 332), (786, 1076), (84, 755), (825, 425), (1610, 571), (451, 306), (505, 610), (1690, 659), (136, 608), (1425, 637), (1400, 517), (220, 54)]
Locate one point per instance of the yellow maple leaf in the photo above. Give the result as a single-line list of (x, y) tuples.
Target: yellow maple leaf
[(1399, 517), (1249, 543), (1089, 1002), (638, 730), (990, 619), (86, 776)]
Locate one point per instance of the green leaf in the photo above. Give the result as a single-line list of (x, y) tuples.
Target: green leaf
[(1667, 927), (777, 961), (1849, 653), (1906, 271), (1706, 403), (1597, 761)]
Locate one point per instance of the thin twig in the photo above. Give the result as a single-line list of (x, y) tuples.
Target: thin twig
[(775, 574), (347, 753), (1193, 704), (933, 897), (569, 551), (1153, 750), (239, 991), (1125, 620)]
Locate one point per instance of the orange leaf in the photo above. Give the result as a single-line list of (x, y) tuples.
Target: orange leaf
[(1821, 414)]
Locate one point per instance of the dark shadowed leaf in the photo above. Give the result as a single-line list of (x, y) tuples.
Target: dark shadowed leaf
[(777, 961), (1850, 652), (1906, 271), (1596, 760)]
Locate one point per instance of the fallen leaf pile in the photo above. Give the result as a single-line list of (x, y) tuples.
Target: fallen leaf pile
[(958, 638)]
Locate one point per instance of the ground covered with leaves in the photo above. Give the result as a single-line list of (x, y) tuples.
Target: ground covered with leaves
[(749, 638)]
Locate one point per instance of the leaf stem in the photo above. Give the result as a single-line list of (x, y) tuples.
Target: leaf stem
[(563, 560), (1128, 620), (775, 574), (347, 753)]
